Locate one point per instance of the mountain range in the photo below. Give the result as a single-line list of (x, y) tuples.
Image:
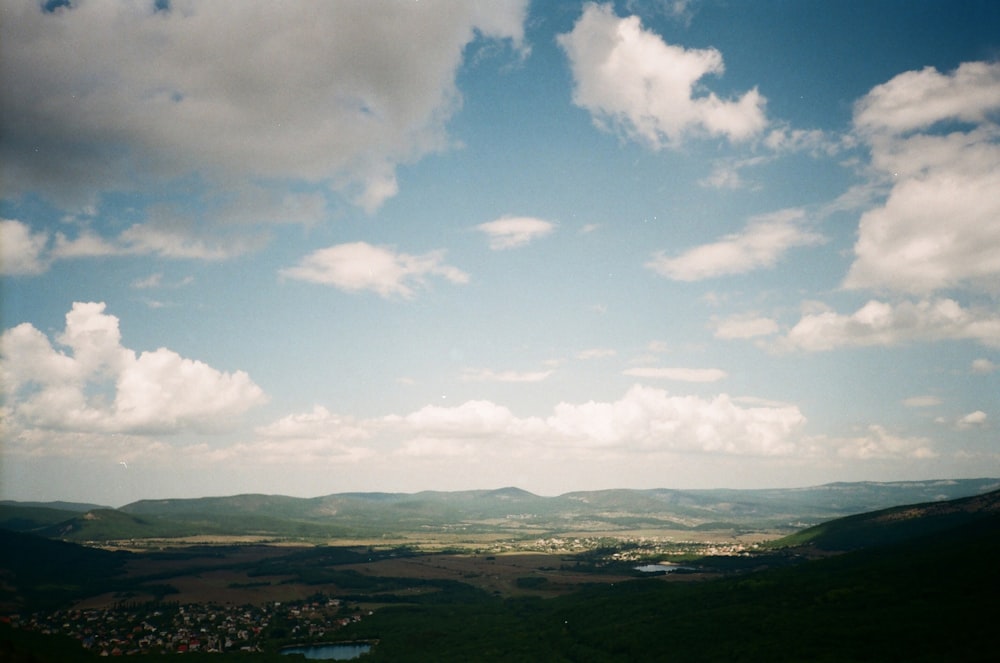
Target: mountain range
[(512, 511)]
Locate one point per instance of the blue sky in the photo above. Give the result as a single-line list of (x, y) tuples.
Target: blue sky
[(312, 248)]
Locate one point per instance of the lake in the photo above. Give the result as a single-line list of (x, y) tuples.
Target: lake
[(661, 568), (332, 652)]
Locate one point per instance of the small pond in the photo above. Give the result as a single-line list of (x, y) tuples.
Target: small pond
[(344, 651), (661, 568)]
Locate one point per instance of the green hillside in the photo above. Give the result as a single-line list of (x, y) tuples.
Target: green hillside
[(39, 572), (895, 524), (29, 518), (510, 512), (513, 508), (919, 586)]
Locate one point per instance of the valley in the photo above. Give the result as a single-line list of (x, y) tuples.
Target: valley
[(452, 589)]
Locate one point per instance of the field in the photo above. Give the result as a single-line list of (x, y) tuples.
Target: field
[(210, 569), (911, 582)]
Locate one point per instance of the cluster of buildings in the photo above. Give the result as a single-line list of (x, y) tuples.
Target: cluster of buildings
[(170, 628), (627, 548)]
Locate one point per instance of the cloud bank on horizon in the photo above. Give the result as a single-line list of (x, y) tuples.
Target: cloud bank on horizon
[(308, 248)]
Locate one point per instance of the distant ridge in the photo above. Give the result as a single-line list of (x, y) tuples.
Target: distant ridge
[(59, 506), (510, 510)]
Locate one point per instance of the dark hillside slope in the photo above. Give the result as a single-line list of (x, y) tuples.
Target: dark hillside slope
[(40, 573), (109, 524), (895, 524), (929, 599), (29, 518)]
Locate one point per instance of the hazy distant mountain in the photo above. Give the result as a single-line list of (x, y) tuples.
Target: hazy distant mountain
[(513, 511), (60, 506)]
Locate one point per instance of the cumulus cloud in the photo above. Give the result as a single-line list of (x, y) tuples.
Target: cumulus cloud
[(360, 266), (642, 420), (745, 326), (470, 419), (331, 93), (677, 374), (879, 443), (938, 227), (883, 324), (319, 422), (631, 80), (975, 419), (21, 250), (763, 241), (100, 386), (917, 99), (983, 366), (512, 231), (651, 419)]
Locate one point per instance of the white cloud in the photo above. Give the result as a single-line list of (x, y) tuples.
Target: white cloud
[(938, 227), (651, 420), (21, 250), (745, 326), (331, 93), (512, 231), (921, 401), (320, 423), (170, 240), (360, 266), (103, 387), (643, 420), (883, 324), (27, 252), (918, 99), (678, 374), (487, 375), (472, 419), (879, 443), (975, 419), (85, 245), (983, 366), (763, 241), (629, 79), (813, 141)]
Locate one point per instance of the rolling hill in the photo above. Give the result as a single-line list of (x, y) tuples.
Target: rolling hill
[(928, 596), (514, 512), (895, 524), (917, 585)]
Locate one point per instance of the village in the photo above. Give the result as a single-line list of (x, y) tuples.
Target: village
[(627, 548), (163, 628)]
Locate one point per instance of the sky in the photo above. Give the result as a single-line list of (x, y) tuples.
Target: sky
[(307, 248)]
